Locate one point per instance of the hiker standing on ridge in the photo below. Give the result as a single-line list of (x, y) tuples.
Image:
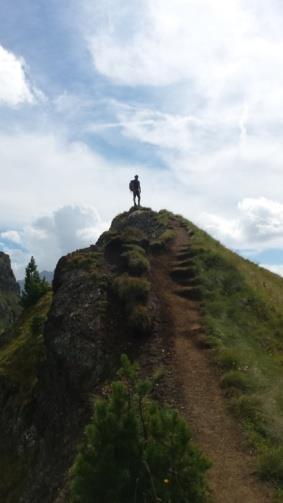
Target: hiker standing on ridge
[(135, 188)]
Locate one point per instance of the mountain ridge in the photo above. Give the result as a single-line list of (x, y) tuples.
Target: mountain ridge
[(122, 295)]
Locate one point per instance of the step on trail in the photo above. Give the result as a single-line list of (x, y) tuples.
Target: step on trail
[(232, 475)]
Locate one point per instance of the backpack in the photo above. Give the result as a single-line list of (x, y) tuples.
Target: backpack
[(132, 185)]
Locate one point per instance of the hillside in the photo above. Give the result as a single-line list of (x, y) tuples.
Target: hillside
[(9, 293), (171, 297)]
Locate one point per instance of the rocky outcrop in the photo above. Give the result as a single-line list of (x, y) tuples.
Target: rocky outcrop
[(86, 331), (9, 293)]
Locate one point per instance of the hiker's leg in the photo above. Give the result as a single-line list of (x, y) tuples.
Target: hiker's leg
[(134, 197), (139, 199)]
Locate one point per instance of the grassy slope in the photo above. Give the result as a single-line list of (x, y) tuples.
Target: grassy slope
[(19, 362), (243, 312), (11, 301)]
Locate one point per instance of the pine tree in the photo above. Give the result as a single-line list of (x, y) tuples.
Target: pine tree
[(34, 286), (136, 450)]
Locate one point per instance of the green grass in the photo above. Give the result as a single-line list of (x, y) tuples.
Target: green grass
[(132, 235), (243, 312), (167, 236), (19, 364), (271, 464), (130, 289), (20, 359), (139, 321), (164, 217), (136, 261), (86, 261), (10, 303)]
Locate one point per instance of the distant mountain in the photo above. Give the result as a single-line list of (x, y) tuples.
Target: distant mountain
[(48, 275)]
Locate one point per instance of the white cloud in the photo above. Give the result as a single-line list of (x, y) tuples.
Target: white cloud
[(264, 217), (43, 172), (210, 108), (14, 86), (258, 224), (230, 51), (13, 236), (167, 42), (227, 55), (50, 237)]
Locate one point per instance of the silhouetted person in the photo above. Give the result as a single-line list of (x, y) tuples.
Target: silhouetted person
[(135, 187)]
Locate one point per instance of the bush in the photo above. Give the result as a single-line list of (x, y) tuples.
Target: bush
[(247, 407), (132, 234), (271, 464), (136, 262), (134, 247), (238, 380), (139, 321), (167, 236), (136, 450), (130, 290)]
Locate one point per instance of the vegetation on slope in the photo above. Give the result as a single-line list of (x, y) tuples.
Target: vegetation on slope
[(136, 450), (242, 307), (10, 309), (20, 360)]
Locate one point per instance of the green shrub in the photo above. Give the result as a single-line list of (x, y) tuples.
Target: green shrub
[(134, 247), (247, 407), (271, 464), (136, 262), (159, 244), (163, 217), (132, 234), (136, 450), (130, 290), (228, 358), (238, 380), (139, 321), (167, 236), (81, 260)]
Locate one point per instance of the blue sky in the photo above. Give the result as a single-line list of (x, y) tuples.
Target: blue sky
[(187, 93)]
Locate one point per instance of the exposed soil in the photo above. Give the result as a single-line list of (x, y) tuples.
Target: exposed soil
[(232, 475)]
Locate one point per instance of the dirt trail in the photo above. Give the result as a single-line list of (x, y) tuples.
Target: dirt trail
[(231, 477)]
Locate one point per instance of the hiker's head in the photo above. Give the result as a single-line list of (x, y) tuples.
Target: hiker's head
[(136, 177)]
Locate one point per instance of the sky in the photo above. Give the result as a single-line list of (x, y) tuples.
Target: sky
[(187, 94)]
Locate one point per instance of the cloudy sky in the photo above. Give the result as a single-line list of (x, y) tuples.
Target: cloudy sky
[(188, 94)]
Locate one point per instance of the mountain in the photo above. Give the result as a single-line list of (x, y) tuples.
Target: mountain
[(163, 291), (48, 275), (9, 293)]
